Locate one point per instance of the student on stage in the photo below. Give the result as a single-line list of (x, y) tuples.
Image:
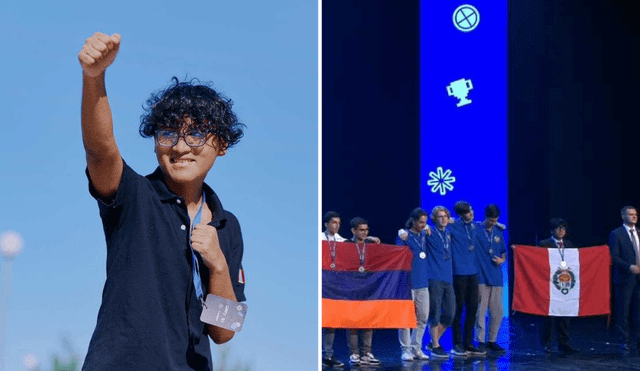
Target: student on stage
[(441, 294), (332, 226), (415, 237), (558, 243), (490, 255), (465, 279), (360, 230)]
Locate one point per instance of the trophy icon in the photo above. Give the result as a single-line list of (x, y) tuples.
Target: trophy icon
[(460, 89)]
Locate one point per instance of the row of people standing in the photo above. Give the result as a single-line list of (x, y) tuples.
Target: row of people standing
[(357, 355), (455, 267), (447, 276)]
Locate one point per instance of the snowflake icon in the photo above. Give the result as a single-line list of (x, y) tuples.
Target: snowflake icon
[(441, 181)]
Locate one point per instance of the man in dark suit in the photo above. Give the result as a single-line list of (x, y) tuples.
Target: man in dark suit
[(624, 245), (558, 228)]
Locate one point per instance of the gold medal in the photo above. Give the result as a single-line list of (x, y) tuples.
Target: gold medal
[(333, 265)]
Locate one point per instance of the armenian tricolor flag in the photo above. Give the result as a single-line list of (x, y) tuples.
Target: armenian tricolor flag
[(379, 297)]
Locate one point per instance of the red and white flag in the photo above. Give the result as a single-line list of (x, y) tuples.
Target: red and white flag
[(544, 285)]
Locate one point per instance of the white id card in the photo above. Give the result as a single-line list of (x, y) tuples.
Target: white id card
[(222, 312)]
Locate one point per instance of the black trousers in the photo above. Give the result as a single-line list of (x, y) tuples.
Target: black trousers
[(561, 327), (627, 299), (466, 292)]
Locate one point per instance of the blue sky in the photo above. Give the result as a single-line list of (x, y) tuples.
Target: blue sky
[(263, 55)]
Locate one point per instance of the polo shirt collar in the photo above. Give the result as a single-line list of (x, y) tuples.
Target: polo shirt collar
[(160, 186)]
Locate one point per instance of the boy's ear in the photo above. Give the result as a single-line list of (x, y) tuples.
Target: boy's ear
[(222, 148)]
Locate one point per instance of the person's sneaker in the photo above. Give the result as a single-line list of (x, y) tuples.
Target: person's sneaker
[(482, 347), (458, 350), (429, 346), (494, 347), (354, 359), (419, 354), (568, 349), (369, 359), (438, 352), (472, 350), (332, 362), (406, 355)]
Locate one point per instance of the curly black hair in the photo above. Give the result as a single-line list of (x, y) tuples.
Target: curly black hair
[(208, 110)]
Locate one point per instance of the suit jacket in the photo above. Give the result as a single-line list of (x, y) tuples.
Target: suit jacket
[(551, 243), (623, 255)]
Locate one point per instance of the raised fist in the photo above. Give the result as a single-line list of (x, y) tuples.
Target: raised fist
[(98, 52)]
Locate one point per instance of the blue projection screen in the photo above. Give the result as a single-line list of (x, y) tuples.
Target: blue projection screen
[(463, 107)]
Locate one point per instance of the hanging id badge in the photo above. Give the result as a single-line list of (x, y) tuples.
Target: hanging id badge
[(223, 312), (216, 310)]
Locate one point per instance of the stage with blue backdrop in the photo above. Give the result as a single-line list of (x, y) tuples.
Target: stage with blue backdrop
[(527, 105)]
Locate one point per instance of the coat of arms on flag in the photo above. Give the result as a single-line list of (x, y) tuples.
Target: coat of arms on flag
[(564, 280), (574, 283)]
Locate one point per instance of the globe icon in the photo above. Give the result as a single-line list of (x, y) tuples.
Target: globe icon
[(466, 18)]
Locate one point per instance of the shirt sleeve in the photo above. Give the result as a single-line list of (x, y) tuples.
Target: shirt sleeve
[(234, 258), (400, 241), (111, 208), (503, 246)]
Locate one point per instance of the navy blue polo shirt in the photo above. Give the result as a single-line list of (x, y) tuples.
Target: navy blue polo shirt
[(489, 273), (419, 267), (149, 318), (462, 238)]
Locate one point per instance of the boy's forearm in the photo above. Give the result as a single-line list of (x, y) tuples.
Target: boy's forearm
[(97, 122), (220, 285)]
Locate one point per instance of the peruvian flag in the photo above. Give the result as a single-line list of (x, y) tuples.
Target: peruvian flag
[(544, 285)]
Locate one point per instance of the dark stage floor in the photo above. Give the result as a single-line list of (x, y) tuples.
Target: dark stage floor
[(599, 350)]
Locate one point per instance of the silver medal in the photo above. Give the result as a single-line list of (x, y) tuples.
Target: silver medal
[(490, 251), (563, 264), (333, 265), (361, 269), (423, 255)]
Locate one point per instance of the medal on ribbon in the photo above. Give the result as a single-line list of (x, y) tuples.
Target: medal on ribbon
[(361, 255)]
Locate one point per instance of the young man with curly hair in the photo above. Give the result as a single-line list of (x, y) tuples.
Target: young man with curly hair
[(149, 318)]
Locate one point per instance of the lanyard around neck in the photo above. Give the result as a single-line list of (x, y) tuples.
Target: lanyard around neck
[(423, 247), (197, 282)]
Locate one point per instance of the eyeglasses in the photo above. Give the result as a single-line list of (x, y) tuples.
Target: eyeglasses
[(168, 138)]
